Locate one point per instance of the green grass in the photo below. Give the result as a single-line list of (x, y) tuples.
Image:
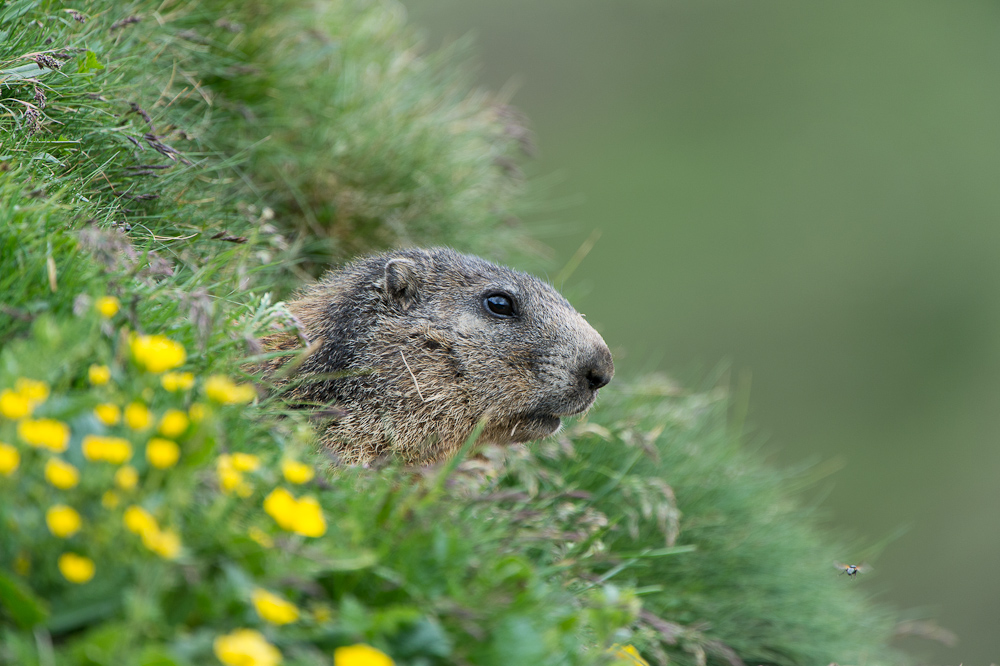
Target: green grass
[(197, 164)]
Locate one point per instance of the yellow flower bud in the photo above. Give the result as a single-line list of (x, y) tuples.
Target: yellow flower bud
[(99, 375), (296, 472), (137, 416), (162, 453), (61, 474), (223, 390), (34, 391), (45, 433), (126, 477), (114, 450), (360, 655), (108, 414), (13, 405), (10, 459), (273, 608), (139, 521), (75, 568), (63, 521), (165, 543), (177, 381), (174, 423), (107, 306), (246, 647), (245, 462), (157, 353)]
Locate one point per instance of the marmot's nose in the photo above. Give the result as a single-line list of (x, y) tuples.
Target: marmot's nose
[(599, 370)]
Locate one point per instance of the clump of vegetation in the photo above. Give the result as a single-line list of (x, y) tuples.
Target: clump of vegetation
[(167, 172)]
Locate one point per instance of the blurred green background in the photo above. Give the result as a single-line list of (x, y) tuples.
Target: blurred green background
[(810, 192)]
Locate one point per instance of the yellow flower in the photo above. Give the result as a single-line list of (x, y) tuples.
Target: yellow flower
[(61, 474), (47, 433), (162, 453), (245, 462), (114, 450), (309, 519), (296, 472), (75, 568), (35, 391), (10, 459), (360, 655), (157, 353), (197, 412), (273, 608), (246, 647), (108, 414), (99, 375), (108, 306), (177, 381), (13, 405), (126, 477), (626, 656), (174, 423), (260, 536), (230, 478), (63, 521), (222, 389), (137, 416), (139, 521), (110, 499), (165, 543), (304, 516), (281, 505)]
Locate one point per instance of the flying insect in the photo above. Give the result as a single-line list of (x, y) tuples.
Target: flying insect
[(852, 570)]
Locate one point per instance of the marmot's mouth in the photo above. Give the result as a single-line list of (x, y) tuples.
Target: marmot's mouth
[(534, 426)]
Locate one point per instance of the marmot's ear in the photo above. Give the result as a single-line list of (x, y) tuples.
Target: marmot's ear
[(402, 281)]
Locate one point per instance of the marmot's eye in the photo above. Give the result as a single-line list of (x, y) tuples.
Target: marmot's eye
[(500, 304)]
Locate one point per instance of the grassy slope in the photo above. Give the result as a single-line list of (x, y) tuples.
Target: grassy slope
[(314, 133)]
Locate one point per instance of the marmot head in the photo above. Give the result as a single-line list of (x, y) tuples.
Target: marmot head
[(424, 344)]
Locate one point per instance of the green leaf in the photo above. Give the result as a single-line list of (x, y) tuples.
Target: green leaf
[(20, 603), (88, 62)]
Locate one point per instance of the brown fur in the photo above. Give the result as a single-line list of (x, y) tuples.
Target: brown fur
[(406, 346)]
